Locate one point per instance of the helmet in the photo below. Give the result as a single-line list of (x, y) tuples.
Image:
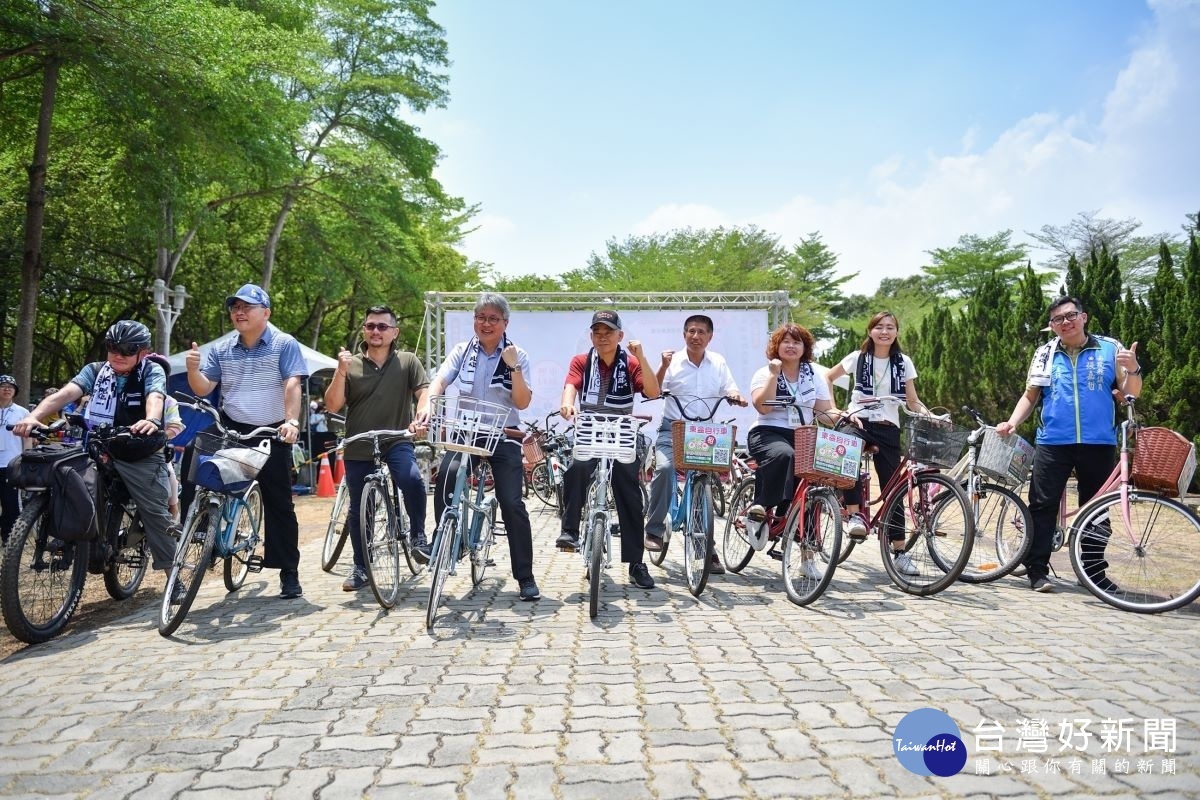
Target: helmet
[(162, 361), (127, 334)]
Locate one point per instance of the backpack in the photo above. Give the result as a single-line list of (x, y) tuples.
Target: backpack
[(72, 479)]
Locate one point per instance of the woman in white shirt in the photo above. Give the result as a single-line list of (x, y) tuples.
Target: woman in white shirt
[(880, 369), (788, 376)]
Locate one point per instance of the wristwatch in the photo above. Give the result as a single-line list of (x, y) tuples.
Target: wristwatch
[(295, 423)]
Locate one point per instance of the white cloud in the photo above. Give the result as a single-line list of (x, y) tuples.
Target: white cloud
[(1139, 160)]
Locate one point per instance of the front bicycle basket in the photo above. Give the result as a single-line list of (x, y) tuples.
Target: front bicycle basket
[(826, 456), (225, 465), (702, 445), (1164, 462), (933, 441), (1005, 458), (606, 436), (465, 424)]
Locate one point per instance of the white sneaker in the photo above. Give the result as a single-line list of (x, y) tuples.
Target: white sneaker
[(856, 527), (905, 565), (811, 570)]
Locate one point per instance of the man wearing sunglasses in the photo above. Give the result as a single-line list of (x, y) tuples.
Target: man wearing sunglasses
[(381, 386), (260, 373), (127, 389), (1072, 379)]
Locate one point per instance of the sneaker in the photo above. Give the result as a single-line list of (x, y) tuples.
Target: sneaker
[(756, 513), (567, 541), (356, 580), (529, 590), (421, 552), (716, 568), (811, 570), (1042, 585), (653, 543), (905, 564), (639, 574), (178, 593), (289, 584), (856, 527)]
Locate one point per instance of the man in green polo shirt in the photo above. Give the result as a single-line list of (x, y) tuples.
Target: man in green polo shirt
[(380, 386)]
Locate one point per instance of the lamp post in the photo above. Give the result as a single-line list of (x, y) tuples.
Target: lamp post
[(169, 305)]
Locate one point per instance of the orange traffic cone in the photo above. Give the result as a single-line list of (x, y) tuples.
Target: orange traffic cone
[(325, 480), (338, 471)]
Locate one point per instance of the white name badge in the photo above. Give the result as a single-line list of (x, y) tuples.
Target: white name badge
[(794, 418)]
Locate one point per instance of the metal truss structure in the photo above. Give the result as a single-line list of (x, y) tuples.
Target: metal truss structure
[(777, 303)]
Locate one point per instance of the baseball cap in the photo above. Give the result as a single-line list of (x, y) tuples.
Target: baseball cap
[(249, 293), (608, 318)]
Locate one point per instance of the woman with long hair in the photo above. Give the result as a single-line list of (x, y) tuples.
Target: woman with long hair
[(879, 369)]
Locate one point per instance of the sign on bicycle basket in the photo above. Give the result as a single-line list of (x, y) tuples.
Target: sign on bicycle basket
[(826, 456), (702, 445)]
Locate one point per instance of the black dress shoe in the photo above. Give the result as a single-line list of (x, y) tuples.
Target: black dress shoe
[(289, 584), (640, 575)]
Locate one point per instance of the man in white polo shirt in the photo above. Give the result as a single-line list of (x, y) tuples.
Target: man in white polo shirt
[(695, 375), (260, 374)]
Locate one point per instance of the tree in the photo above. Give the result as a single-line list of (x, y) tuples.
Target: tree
[(963, 268), (808, 272), (1087, 233)]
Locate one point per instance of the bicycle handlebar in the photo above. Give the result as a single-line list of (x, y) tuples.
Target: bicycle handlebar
[(186, 400), (712, 412), (382, 434)]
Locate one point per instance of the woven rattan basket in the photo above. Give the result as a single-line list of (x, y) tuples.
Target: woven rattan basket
[(704, 446), (1164, 462)]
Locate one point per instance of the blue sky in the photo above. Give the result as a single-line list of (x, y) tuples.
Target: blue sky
[(890, 127)]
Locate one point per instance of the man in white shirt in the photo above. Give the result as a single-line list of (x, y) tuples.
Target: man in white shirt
[(11, 446), (695, 376)]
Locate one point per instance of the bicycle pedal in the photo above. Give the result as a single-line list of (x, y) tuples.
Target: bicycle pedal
[(255, 563)]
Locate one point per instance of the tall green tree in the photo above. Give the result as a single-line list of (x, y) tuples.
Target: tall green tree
[(963, 268)]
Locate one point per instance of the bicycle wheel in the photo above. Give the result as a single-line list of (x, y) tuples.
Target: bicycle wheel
[(811, 546), (480, 558), (380, 547), (246, 539), (124, 573), (337, 530), (1152, 566), (42, 577), (937, 532), (736, 549), (540, 481), (718, 497), (1003, 534), (698, 535), (595, 564), (439, 565), (193, 557)]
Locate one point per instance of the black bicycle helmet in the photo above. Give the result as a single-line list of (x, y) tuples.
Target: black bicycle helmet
[(128, 333)]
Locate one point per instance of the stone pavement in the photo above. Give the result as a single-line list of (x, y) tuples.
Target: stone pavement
[(738, 694)]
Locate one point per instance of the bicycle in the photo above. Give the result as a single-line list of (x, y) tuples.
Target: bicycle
[(225, 518), (546, 471), (699, 451), (384, 527), (815, 539), (1135, 548), (1003, 524), (926, 511), (337, 530), (471, 427), (739, 468), (42, 579), (605, 438)]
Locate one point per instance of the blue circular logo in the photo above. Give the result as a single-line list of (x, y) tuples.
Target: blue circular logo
[(928, 742)]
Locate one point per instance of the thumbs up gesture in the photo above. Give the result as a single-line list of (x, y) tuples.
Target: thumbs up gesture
[(193, 358), (1128, 359)]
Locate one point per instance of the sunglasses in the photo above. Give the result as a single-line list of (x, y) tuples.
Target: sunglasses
[(382, 327), (122, 349)]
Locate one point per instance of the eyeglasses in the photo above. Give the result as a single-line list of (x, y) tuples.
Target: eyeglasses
[(241, 308), (122, 349), (484, 320), (382, 327), (1070, 316)]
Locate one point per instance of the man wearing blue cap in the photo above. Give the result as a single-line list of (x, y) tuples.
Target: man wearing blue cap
[(260, 374)]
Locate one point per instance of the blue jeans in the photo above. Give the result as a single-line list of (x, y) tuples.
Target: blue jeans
[(402, 463)]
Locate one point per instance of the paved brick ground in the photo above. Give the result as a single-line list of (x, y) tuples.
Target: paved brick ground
[(739, 694)]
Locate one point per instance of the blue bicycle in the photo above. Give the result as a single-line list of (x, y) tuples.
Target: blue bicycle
[(700, 450), (225, 519)]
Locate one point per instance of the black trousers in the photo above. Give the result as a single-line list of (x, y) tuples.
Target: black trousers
[(886, 438), (1052, 466), (773, 449), (281, 531), (508, 475), (627, 496), (9, 502)]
